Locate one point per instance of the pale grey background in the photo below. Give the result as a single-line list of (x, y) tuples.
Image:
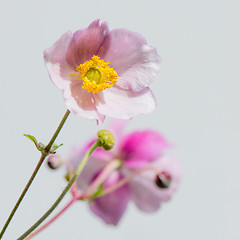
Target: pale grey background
[(198, 110)]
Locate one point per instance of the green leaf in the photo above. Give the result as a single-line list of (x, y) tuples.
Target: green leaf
[(39, 146), (32, 138), (54, 148)]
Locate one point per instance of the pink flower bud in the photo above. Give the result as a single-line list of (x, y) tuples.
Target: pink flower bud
[(54, 161)]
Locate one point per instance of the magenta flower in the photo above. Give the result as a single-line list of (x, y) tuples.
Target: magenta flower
[(104, 73), (139, 152)]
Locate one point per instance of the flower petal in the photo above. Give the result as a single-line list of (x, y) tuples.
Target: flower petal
[(117, 129), (86, 43), (135, 62), (111, 206), (80, 101), (56, 63), (144, 192), (141, 147), (125, 104)]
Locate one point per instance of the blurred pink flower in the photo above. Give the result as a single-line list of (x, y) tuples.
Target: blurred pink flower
[(137, 150), (104, 73)]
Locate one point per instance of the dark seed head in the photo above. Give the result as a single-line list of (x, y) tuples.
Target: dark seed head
[(163, 180)]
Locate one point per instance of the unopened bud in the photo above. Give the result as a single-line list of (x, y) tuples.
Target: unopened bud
[(54, 161), (40, 146), (163, 180), (106, 139)]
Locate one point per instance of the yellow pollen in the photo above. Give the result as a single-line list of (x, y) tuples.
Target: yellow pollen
[(96, 75)]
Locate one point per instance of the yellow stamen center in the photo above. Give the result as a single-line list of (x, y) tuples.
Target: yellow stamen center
[(96, 75)]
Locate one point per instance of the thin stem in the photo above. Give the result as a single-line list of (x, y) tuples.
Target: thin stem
[(76, 174), (43, 156), (111, 166), (51, 220), (119, 184), (128, 179), (48, 147)]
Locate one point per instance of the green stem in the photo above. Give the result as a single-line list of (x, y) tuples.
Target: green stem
[(45, 152), (48, 147), (76, 174)]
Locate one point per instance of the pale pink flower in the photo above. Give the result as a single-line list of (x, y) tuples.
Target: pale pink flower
[(104, 73), (137, 150)]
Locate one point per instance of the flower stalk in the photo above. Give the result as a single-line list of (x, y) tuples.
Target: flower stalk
[(128, 179), (44, 153), (89, 194), (73, 200), (113, 165), (90, 191), (76, 174)]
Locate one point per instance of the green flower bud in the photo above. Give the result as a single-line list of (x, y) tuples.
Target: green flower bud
[(106, 139)]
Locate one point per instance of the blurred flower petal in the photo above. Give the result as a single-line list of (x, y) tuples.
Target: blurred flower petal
[(111, 206)]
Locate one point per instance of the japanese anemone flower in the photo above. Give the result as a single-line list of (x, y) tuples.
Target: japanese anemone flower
[(140, 154), (104, 73)]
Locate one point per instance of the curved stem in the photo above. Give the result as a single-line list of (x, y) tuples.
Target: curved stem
[(44, 155), (87, 195), (51, 220), (76, 174), (111, 166), (128, 179)]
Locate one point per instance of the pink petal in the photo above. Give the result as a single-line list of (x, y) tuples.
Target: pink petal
[(77, 99), (134, 162), (80, 101), (144, 192), (125, 104), (117, 129), (111, 206), (86, 43), (140, 147), (172, 166), (101, 155), (55, 61), (135, 62)]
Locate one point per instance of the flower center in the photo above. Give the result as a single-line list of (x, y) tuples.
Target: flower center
[(96, 75), (93, 75)]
